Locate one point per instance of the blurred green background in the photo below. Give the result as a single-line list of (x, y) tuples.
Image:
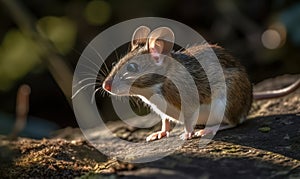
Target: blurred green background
[(263, 34)]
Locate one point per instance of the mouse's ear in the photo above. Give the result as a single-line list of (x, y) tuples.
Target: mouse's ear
[(160, 43), (139, 36)]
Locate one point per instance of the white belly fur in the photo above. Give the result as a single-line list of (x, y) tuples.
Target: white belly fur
[(172, 111)]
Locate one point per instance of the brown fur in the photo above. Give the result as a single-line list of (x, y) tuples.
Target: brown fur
[(239, 90)]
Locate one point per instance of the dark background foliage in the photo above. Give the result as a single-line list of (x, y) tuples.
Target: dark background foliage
[(263, 34)]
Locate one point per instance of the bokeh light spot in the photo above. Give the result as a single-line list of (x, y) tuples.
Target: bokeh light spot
[(271, 39), (97, 12), (60, 30), (275, 36), (19, 55)]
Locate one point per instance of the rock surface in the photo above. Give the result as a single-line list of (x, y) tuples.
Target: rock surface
[(265, 146)]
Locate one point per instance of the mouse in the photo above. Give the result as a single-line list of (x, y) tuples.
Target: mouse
[(136, 74)]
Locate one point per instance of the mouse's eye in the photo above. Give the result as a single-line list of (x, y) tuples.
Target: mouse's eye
[(132, 67), (113, 64), (142, 44)]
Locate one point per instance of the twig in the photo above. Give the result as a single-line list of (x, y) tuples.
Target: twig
[(22, 108)]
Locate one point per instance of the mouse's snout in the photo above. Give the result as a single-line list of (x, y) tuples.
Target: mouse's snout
[(115, 86), (107, 85)]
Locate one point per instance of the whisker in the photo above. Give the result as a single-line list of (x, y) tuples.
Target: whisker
[(99, 76), (101, 58), (80, 89), (81, 81), (102, 92), (100, 69), (115, 51), (76, 51), (94, 63), (117, 55), (94, 93), (88, 67)]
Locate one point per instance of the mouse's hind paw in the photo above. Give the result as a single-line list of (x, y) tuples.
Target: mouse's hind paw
[(187, 135), (157, 135), (212, 130), (204, 132)]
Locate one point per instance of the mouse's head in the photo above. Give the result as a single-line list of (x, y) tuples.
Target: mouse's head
[(145, 66)]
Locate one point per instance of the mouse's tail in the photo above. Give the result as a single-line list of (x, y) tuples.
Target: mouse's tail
[(277, 93)]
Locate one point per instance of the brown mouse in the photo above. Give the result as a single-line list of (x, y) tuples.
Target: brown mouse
[(146, 69)]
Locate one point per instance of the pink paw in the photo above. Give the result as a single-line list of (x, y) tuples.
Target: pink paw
[(204, 132), (186, 135), (157, 135)]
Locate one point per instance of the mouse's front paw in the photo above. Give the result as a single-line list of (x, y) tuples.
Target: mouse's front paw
[(157, 135), (187, 135)]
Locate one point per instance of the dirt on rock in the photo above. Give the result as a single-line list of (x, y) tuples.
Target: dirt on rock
[(265, 146)]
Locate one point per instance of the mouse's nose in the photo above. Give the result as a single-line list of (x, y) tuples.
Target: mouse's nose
[(107, 85)]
